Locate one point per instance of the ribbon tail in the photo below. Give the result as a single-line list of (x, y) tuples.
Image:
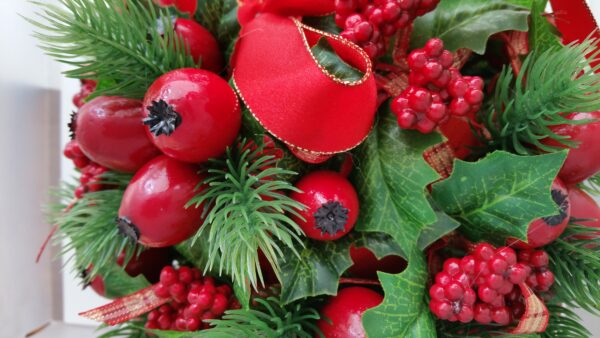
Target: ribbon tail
[(126, 308), (536, 316)]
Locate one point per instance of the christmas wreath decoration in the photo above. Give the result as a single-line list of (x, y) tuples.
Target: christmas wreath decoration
[(331, 168)]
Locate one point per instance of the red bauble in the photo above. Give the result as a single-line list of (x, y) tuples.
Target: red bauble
[(545, 230), (109, 131), (202, 44), (153, 209), (581, 162), (332, 205), (366, 263), (192, 114), (149, 263), (345, 312)]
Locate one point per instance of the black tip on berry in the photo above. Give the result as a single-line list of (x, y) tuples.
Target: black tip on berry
[(85, 278), (561, 200), (72, 125), (162, 118), (128, 229), (331, 218)]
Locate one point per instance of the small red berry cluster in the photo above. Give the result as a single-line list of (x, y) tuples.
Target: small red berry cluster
[(87, 88), (484, 286), (436, 90), (91, 172), (194, 299), (367, 22)]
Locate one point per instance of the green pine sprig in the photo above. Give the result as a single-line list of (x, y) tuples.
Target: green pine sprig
[(246, 209), (86, 228), (591, 185), (551, 83), (575, 262), (564, 322), (130, 329), (268, 318), (119, 45)]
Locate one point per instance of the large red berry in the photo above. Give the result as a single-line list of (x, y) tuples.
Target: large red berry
[(153, 209), (345, 312), (584, 209), (192, 114), (331, 205), (110, 133), (201, 43), (545, 230)]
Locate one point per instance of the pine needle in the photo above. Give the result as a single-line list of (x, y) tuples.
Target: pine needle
[(119, 45), (246, 209), (551, 83)]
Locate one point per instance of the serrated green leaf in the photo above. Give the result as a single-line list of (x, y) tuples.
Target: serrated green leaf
[(469, 23), (403, 312), (117, 283), (318, 269), (543, 35), (390, 177), (328, 58), (443, 226), (498, 196)]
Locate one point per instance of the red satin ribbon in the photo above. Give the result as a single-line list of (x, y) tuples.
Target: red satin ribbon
[(296, 99)]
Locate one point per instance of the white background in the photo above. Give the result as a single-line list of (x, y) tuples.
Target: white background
[(30, 150)]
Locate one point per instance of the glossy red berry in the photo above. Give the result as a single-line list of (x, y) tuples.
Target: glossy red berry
[(153, 209), (201, 43), (331, 205), (545, 230), (110, 133), (345, 312), (191, 115)]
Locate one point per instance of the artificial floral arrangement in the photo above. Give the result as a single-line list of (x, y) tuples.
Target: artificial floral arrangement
[(332, 168)]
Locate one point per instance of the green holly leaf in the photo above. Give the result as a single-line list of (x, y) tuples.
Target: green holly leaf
[(498, 196), (469, 23), (117, 283), (443, 226), (543, 35), (404, 312), (328, 58), (321, 264), (390, 178)]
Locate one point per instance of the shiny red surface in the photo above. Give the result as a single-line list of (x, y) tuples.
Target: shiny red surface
[(583, 206), (318, 188), (155, 202), (345, 312), (149, 263), (541, 233), (584, 160), (203, 46), (110, 132), (366, 263), (209, 111)]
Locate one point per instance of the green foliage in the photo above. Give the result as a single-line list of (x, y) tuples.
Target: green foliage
[(268, 318), (592, 185), (118, 45), (333, 63), (321, 264), (575, 261), (468, 23), (563, 323), (220, 18), (553, 82), (88, 228), (323, 23), (246, 209), (117, 283), (131, 329), (498, 196), (443, 226), (542, 34)]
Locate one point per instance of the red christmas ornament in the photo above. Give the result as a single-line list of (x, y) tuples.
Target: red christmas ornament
[(109, 132), (332, 205), (153, 211), (201, 43), (345, 311), (192, 115)]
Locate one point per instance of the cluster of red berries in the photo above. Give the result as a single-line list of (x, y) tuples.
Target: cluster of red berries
[(91, 172), (367, 22), (194, 299), (87, 88), (436, 90), (484, 286)]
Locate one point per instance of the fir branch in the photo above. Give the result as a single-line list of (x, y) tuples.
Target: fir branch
[(269, 318), (564, 322), (575, 262), (117, 44), (559, 80), (246, 209), (591, 185), (87, 230)]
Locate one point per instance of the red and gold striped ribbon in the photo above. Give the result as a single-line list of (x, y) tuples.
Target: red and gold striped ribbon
[(536, 315)]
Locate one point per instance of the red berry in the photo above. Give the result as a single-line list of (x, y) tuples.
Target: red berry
[(220, 304), (501, 315), (193, 324), (168, 276), (344, 312), (487, 294), (482, 313), (201, 43)]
